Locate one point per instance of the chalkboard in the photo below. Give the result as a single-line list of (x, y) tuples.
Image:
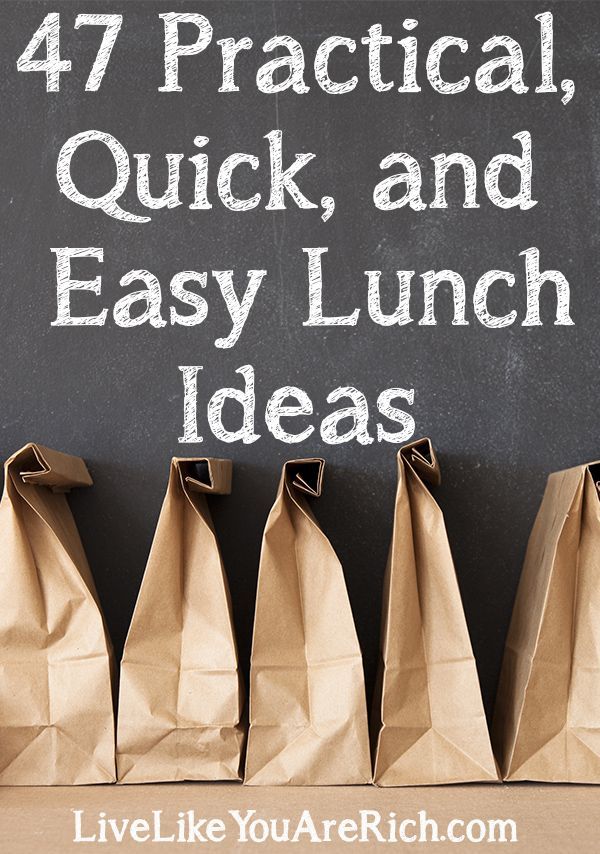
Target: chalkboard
[(504, 407)]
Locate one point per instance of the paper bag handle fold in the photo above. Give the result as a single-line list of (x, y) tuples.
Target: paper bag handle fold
[(204, 474), (305, 475), (40, 466), (420, 456)]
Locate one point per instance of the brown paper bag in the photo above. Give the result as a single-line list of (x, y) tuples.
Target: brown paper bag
[(308, 721), (180, 695), (428, 702), (56, 706), (547, 717)]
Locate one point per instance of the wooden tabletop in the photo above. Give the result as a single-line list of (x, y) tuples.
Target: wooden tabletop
[(552, 818)]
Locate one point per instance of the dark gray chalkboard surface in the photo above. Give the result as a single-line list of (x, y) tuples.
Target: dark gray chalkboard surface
[(503, 406)]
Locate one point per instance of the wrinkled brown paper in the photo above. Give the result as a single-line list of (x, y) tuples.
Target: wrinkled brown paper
[(308, 721), (428, 701), (180, 694), (56, 706), (547, 717)]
